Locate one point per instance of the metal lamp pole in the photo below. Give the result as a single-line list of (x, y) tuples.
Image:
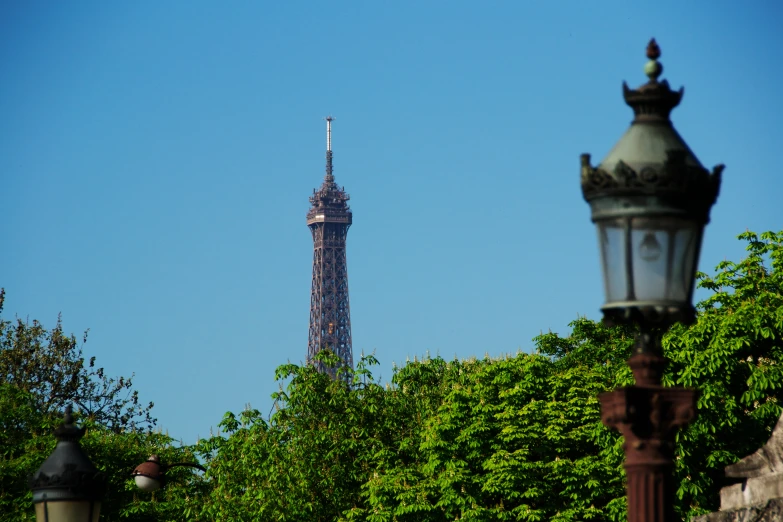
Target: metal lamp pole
[(650, 199)]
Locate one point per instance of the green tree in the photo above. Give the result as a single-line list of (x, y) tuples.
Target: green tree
[(43, 370), (514, 438), (115, 454), (50, 366), (509, 439), (733, 355), (309, 460)]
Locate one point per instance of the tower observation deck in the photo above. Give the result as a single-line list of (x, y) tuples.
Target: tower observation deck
[(328, 219)]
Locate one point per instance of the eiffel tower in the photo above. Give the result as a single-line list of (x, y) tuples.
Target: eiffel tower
[(329, 218)]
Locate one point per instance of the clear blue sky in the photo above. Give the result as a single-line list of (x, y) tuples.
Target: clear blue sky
[(157, 157)]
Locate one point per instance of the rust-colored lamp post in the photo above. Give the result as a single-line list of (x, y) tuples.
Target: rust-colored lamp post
[(650, 199)]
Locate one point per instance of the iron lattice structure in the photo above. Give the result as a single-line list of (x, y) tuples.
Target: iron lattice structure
[(329, 218)]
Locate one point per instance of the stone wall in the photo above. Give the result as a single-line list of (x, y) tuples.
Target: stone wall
[(759, 495), (770, 511)]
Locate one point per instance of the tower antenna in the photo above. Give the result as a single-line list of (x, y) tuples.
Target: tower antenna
[(329, 119)]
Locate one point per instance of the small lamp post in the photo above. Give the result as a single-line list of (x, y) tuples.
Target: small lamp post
[(650, 199), (67, 487), (151, 475)]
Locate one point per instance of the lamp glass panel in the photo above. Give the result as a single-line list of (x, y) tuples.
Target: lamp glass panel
[(686, 245), (67, 511), (611, 241), (664, 253), (650, 257), (146, 483)]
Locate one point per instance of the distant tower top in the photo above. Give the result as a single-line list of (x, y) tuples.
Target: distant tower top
[(329, 176), (329, 219)]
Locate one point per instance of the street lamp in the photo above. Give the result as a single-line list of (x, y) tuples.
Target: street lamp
[(650, 199), (67, 487), (151, 475)]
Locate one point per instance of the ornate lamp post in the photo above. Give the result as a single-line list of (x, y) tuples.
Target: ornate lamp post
[(650, 199), (151, 475), (67, 487)]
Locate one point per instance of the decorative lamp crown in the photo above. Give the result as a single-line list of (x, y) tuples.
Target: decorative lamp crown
[(654, 100)]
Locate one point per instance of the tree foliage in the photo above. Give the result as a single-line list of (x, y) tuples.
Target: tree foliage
[(115, 454), (43, 370), (49, 365), (733, 356), (514, 438)]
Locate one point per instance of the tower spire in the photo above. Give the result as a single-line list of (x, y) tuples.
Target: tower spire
[(329, 175)]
